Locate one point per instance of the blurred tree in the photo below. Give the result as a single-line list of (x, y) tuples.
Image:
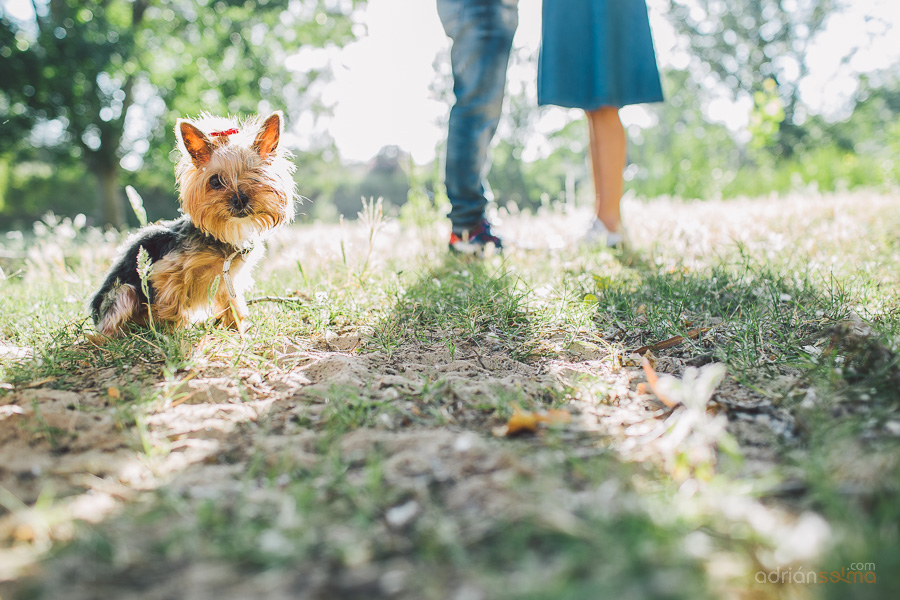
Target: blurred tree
[(99, 81), (384, 176), (681, 154), (507, 177), (743, 43), (513, 181)]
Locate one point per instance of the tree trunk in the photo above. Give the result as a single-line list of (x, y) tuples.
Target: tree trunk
[(112, 208)]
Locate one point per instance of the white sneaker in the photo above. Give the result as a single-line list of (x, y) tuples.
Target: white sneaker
[(598, 234)]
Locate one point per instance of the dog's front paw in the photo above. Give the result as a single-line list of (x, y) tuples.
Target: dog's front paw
[(234, 317), (234, 324)]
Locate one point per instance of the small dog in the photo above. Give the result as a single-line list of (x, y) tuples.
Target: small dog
[(235, 186)]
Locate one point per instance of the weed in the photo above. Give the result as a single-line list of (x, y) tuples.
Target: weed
[(372, 218)]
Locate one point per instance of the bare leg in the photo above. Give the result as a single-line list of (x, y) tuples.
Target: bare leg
[(608, 146)]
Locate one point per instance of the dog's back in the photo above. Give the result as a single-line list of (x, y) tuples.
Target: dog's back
[(121, 297)]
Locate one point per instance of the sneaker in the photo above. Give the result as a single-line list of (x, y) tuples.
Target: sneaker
[(598, 234), (473, 241)]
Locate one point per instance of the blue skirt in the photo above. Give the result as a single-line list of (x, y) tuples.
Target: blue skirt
[(597, 53)]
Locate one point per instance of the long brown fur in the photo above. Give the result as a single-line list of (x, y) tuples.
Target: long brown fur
[(246, 162), (235, 186)]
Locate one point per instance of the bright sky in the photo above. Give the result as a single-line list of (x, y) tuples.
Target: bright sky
[(382, 93), (381, 86), (382, 82)]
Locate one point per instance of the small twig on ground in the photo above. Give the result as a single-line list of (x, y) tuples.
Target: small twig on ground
[(273, 299), (693, 334), (39, 382), (478, 356)]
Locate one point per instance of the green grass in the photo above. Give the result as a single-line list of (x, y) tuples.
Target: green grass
[(333, 516), (463, 301), (315, 489)]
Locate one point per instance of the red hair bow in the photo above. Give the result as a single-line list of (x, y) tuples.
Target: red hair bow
[(226, 132)]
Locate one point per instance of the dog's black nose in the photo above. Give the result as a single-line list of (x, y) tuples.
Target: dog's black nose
[(240, 202)]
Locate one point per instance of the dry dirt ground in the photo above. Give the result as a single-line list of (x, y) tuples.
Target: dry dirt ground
[(433, 415)]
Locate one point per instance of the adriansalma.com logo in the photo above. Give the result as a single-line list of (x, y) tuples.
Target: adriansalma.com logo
[(853, 573)]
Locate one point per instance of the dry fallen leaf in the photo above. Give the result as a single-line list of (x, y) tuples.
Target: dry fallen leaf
[(521, 421), (114, 392), (9, 410), (524, 421), (653, 380), (23, 533)]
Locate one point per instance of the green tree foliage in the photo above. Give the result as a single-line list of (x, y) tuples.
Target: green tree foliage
[(95, 80), (685, 155), (552, 178), (741, 44), (528, 184), (385, 177), (681, 154)]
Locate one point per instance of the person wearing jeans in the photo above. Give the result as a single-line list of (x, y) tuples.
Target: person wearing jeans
[(482, 32)]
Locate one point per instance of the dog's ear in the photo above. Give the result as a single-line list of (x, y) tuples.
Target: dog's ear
[(267, 139), (193, 142)]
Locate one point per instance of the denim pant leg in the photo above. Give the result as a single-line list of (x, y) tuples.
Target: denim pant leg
[(482, 32)]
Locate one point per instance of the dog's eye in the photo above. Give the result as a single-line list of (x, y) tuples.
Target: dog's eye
[(215, 182)]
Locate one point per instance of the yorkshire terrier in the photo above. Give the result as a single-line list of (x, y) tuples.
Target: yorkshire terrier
[(236, 187)]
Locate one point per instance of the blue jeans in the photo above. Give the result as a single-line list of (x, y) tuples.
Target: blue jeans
[(482, 33)]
